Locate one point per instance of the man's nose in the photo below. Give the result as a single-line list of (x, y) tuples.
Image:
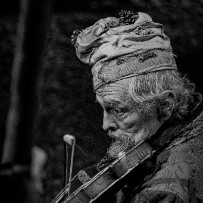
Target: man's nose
[(108, 122)]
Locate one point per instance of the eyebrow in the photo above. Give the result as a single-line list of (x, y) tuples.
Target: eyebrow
[(115, 103), (112, 101)]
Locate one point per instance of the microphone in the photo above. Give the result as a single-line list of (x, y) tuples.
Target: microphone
[(69, 140)]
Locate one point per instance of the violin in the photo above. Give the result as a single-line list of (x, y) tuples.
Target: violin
[(109, 180)]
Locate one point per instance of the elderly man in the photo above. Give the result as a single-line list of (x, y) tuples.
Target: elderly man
[(144, 97)]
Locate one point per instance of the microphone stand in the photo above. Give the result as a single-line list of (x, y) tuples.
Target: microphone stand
[(69, 140)]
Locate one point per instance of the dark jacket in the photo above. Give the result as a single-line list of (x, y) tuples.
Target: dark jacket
[(178, 170)]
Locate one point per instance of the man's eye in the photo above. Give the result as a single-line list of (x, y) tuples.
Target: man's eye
[(118, 112)]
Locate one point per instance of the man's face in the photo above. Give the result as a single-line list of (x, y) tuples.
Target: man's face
[(123, 119)]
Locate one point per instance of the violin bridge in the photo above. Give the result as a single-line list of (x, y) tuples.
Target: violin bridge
[(83, 176)]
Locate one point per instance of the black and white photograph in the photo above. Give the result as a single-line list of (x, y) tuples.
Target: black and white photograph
[(101, 101)]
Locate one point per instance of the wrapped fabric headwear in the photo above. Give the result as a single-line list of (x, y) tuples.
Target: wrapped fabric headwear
[(124, 47)]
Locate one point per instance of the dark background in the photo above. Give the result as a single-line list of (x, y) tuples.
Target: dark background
[(67, 100)]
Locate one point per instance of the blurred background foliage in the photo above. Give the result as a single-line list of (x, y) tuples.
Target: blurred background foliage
[(67, 100)]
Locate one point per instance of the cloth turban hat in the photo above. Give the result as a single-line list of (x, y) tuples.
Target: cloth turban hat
[(119, 48)]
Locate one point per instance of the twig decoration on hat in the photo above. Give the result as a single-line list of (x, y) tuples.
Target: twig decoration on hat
[(127, 17), (74, 36)]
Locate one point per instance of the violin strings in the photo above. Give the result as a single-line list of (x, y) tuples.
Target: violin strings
[(61, 194), (89, 167), (65, 189)]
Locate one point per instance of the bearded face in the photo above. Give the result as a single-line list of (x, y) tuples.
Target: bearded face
[(126, 122)]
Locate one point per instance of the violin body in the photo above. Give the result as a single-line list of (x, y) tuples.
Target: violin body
[(110, 180)]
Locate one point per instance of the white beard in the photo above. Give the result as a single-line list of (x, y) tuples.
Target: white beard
[(120, 145)]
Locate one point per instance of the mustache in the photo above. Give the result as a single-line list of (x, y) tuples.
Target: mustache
[(121, 142), (119, 136)]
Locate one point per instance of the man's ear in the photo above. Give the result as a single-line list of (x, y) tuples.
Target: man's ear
[(165, 108)]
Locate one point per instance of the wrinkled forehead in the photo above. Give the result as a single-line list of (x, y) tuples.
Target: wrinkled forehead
[(117, 91)]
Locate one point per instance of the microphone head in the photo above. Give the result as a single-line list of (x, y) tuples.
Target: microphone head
[(69, 139)]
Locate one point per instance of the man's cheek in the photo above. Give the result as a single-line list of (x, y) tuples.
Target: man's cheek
[(130, 126)]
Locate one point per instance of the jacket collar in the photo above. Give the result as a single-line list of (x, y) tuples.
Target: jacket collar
[(170, 132)]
